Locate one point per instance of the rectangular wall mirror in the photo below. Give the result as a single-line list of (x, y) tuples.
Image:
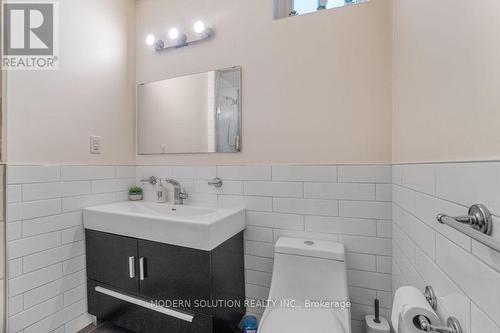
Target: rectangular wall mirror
[(199, 113)]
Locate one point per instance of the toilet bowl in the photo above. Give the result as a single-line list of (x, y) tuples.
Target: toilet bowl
[(308, 289)]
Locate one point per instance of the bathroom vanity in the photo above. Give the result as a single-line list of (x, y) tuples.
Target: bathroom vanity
[(157, 282)]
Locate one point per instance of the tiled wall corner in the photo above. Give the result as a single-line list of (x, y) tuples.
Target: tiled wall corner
[(351, 204), (45, 241), (464, 273)]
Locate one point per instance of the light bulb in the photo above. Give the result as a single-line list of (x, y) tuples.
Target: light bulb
[(150, 40), (173, 33), (199, 27)]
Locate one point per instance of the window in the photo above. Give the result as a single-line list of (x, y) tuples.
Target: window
[(286, 8), (308, 6), (305, 6)]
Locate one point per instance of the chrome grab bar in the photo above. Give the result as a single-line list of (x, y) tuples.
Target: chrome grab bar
[(478, 225), (144, 304)]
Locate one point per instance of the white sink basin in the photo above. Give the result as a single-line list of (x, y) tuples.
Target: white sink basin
[(188, 226)]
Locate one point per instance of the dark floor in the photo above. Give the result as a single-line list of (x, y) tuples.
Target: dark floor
[(108, 328), (104, 328)]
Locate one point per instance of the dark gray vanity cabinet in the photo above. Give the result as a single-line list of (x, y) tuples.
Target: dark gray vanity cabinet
[(180, 273), (108, 260), (149, 271)]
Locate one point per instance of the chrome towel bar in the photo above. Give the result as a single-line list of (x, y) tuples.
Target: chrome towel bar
[(452, 326), (478, 225)]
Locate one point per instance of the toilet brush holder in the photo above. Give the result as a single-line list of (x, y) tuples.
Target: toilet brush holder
[(373, 327), (377, 324)]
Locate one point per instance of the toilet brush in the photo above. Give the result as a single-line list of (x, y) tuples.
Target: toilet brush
[(375, 323), (377, 312)]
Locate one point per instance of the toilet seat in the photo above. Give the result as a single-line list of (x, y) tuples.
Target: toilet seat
[(302, 320)]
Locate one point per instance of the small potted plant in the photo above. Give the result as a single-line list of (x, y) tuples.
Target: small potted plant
[(135, 193)]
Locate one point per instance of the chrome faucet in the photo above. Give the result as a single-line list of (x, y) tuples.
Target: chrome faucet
[(179, 194)]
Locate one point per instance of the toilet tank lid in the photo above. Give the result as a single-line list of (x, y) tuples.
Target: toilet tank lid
[(310, 248)]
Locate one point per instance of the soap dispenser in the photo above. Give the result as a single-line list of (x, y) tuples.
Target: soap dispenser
[(161, 192)]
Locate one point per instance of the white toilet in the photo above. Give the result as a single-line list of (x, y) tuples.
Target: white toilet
[(307, 270)]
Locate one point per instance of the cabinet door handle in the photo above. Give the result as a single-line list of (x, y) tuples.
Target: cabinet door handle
[(142, 273), (131, 267)]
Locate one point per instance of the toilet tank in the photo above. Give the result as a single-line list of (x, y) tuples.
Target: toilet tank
[(309, 270)]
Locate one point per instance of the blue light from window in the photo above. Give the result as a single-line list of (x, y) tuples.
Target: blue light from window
[(305, 6), (309, 6), (335, 3)]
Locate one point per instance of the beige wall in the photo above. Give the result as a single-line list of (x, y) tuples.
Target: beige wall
[(446, 80), (52, 114), (316, 88)]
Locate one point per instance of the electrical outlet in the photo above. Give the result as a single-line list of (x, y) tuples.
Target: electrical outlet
[(95, 144)]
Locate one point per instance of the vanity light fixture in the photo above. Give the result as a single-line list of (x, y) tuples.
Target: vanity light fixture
[(153, 42), (199, 27), (173, 33), (150, 40), (177, 38)]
